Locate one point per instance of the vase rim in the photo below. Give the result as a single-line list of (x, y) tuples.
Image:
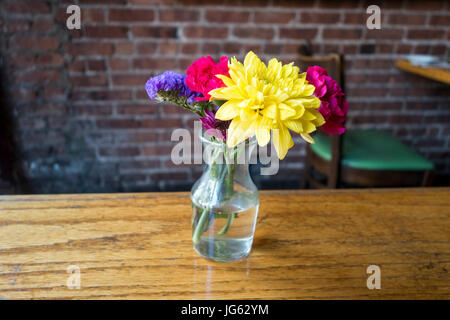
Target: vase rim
[(201, 135)]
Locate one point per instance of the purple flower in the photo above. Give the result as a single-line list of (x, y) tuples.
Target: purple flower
[(170, 81), (215, 127)]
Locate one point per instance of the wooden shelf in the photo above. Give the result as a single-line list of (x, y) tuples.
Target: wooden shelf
[(308, 244), (437, 74)]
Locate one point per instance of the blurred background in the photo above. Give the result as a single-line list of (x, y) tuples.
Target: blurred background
[(76, 118)]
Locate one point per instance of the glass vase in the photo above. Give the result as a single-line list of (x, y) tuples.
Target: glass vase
[(225, 202)]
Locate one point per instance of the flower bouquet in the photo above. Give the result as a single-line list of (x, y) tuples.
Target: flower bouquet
[(242, 105)]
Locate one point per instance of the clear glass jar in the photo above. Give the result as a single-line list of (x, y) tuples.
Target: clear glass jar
[(225, 202)]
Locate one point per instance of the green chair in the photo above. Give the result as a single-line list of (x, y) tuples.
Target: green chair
[(369, 158), (366, 158)]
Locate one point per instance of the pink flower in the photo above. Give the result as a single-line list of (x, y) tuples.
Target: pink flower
[(201, 75), (333, 105)]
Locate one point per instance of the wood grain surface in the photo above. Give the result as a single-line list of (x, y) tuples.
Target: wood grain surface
[(308, 245), (437, 74)]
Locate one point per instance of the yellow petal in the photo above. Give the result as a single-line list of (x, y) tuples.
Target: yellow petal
[(308, 116), (308, 90), (239, 131), (248, 114), (286, 111), (282, 141), (270, 111), (263, 131), (226, 80), (294, 125), (308, 127), (227, 111), (307, 137)]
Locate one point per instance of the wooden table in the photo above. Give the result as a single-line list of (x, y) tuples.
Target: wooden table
[(308, 244), (437, 74)]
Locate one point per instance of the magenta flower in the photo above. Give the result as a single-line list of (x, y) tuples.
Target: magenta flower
[(215, 127), (333, 105)]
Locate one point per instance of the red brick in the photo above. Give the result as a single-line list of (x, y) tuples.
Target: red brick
[(146, 48), (22, 60), (337, 33), (320, 18), (424, 5), (39, 76), (298, 33), (255, 33), (162, 123), (371, 63), (403, 48), (425, 34), (183, 64), (155, 32), (89, 48), (273, 17), (349, 49), (43, 25), (96, 65), (129, 80), (255, 47), (77, 66), (179, 15), (92, 110), (384, 48), (355, 18), (273, 49), (31, 123), (118, 124), (54, 93), (106, 32), (51, 59), (16, 26), (102, 95), (152, 63), (169, 176), (104, 2), (232, 47), (384, 34), (133, 177), (168, 48), (422, 49), (225, 16), (407, 19), (88, 81), (123, 48), (92, 15), (350, 4), (131, 15), (35, 43), (331, 48), (152, 2), (440, 20), (210, 48), (138, 109), (205, 32), (119, 64), (138, 165), (189, 48), (438, 49), (25, 6), (156, 150), (295, 3), (119, 151)]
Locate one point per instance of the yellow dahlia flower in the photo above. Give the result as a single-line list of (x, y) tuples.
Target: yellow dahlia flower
[(262, 98)]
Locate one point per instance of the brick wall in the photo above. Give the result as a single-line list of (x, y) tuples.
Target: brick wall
[(85, 124)]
